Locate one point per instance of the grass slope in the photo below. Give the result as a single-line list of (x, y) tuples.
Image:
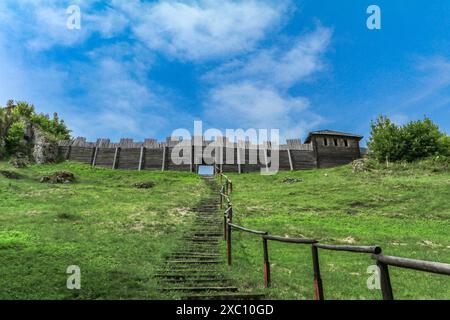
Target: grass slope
[(115, 233), (405, 210)]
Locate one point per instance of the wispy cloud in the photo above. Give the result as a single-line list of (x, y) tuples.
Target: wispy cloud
[(41, 25), (433, 78), (106, 88), (205, 29), (254, 91), (246, 105), (281, 66)]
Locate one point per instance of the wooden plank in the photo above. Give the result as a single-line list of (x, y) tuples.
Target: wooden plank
[(141, 158), (290, 159), (290, 240), (94, 158), (360, 249), (239, 159), (164, 159), (414, 264), (116, 153), (235, 226)]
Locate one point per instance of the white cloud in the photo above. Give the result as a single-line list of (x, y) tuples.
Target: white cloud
[(42, 24), (107, 91), (254, 92), (204, 29), (246, 105), (283, 67)]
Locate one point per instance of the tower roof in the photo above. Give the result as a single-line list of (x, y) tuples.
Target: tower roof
[(331, 133)]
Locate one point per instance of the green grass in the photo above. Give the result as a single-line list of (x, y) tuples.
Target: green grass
[(116, 234), (405, 210)]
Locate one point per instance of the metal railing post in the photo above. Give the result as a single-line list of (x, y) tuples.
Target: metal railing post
[(266, 263), (385, 281), (225, 217), (318, 287), (229, 258)]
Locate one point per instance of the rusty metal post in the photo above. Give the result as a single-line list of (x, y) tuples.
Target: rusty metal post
[(318, 287), (266, 263), (385, 281), (229, 258)]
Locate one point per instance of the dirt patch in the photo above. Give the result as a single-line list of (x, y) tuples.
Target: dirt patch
[(395, 243), (138, 226), (349, 240), (144, 185), (428, 243), (19, 163), (59, 177), (68, 216), (179, 211), (358, 204), (291, 180), (10, 175)]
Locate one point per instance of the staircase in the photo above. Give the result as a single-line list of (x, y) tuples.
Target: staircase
[(195, 270)]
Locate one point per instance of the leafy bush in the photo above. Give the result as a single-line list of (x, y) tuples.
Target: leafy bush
[(422, 139), (54, 126), (445, 146), (415, 140), (16, 117), (14, 137)]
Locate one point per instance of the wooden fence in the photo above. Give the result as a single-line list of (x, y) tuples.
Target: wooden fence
[(383, 262)]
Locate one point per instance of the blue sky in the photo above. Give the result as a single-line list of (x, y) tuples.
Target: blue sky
[(142, 69)]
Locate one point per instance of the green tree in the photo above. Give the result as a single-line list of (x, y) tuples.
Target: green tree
[(422, 139), (386, 142), (14, 137), (19, 115), (415, 140), (445, 145)]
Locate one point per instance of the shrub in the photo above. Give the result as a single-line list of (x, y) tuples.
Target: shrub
[(445, 146), (421, 139), (415, 140), (20, 116), (14, 137), (386, 141)]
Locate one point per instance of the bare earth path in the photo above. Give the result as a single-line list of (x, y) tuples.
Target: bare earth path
[(195, 270)]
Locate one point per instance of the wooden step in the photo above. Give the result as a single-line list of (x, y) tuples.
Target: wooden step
[(189, 277), (233, 296), (193, 257), (197, 289), (202, 262), (195, 254), (188, 270)]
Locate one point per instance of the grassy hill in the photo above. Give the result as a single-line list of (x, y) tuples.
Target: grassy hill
[(117, 234), (405, 209)]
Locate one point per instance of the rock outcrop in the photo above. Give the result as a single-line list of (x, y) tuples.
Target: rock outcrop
[(59, 177), (45, 150)]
